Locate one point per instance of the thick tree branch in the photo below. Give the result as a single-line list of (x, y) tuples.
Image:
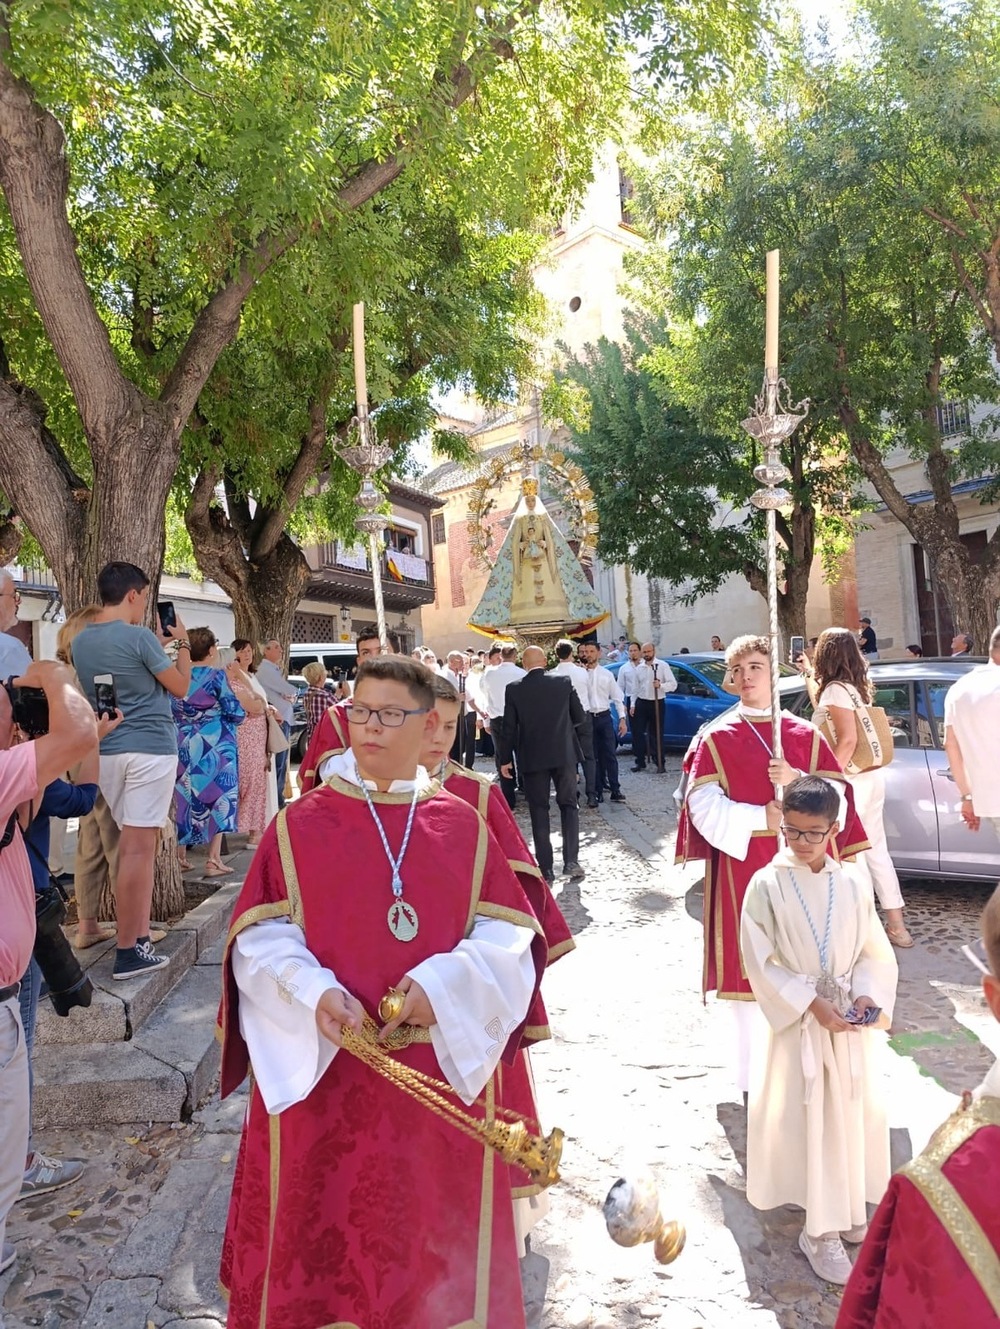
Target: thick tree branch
[(34, 175), (270, 521), (219, 321)]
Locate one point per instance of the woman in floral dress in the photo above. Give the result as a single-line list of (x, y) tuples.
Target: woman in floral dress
[(207, 791), (252, 740)]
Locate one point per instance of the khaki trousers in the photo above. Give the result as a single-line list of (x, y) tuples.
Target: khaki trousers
[(96, 858)]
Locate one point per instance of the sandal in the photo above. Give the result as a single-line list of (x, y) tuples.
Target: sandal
[(213, 868), (900, 937), (183, 863), (81, 941)]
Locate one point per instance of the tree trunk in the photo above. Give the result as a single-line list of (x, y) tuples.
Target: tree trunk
[(264, 586), (971, 590), (169, 900), (265, 605)]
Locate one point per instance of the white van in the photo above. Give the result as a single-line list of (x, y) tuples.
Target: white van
[(339, 657)]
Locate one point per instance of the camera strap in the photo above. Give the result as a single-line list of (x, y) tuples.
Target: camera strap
[(8, 833)]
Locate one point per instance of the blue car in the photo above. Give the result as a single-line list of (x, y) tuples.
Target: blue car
[(700, 696)]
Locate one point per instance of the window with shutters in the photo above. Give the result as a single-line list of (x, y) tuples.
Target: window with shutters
[(437, 528)]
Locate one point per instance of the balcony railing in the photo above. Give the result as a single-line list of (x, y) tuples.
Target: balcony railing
[(407, 569)]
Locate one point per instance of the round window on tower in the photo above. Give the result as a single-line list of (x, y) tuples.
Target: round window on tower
[(575, 304)]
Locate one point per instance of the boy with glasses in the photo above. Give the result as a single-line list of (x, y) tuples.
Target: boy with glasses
[(730, 818), (378, 880), (824, 975)]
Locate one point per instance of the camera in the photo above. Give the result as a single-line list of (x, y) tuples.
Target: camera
[(30, 709), (68, 985)]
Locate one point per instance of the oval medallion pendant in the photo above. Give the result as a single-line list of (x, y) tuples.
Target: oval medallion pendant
[(403, 921)]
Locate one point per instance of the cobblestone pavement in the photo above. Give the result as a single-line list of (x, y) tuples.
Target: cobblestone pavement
[(637, 1076)]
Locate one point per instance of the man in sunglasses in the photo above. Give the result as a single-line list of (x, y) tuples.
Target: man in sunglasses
[(377, 884), (14, 658), (731, 819)]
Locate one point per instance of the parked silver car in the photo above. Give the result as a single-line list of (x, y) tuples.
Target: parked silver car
[(924, 828)]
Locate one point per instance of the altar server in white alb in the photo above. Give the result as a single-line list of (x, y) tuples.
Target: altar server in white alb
[(817, 958)]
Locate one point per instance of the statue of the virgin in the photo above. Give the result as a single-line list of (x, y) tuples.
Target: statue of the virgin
[(537, 581)]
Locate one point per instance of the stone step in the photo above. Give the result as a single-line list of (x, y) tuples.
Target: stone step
[(119, 1010), (160, 1074)]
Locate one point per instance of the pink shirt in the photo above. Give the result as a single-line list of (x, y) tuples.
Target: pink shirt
[(18, 783)]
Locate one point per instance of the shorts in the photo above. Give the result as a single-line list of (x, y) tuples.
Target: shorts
[(138, 787)]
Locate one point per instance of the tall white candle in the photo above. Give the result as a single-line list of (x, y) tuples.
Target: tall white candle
[(360, 378), (771, 323)]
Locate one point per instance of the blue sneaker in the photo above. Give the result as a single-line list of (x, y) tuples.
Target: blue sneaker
[(138, 959)]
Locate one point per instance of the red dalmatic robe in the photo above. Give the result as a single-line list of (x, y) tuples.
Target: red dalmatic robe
[(932, 1255), (358, 1207), (730, 755), (516, 1086), (330, 737)]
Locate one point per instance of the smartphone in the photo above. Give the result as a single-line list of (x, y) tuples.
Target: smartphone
[(165, 610), (30, 710), (105, 697), (796, 648)]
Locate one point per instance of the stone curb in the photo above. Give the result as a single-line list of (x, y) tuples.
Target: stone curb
[(163, 1057)]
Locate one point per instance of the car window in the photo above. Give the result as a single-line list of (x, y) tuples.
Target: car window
[(894, 698), (689, 684), (930, 714), (716, 670)]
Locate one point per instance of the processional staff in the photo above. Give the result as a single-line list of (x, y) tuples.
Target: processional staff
[(366, 456), (770, 424)]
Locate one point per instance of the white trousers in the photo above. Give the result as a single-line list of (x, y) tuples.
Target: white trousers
[(869, 799), (14, 1111)]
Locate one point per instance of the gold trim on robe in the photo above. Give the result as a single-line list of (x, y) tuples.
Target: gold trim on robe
[(951, 1211)]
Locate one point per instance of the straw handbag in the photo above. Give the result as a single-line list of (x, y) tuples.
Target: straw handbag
[(874, 747)]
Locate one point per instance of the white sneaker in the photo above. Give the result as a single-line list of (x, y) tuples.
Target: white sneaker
[(827, 1256), (855, 1235)]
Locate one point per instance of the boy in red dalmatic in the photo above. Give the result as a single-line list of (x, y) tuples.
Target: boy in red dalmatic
[(353, 1204), (730, 818), (932, 1254), (516, 1085)]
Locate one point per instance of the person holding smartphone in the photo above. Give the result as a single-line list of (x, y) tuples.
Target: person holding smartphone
[(823, 973), (139, 759)]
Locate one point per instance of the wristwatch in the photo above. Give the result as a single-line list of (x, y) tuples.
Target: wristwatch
[(966, 798)]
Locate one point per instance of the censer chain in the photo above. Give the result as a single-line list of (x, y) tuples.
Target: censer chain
[(512, 1141)]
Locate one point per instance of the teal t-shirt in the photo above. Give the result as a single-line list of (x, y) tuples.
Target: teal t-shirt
[(133, 657)]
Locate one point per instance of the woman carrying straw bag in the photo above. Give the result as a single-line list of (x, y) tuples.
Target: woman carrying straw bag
[(840, 687)]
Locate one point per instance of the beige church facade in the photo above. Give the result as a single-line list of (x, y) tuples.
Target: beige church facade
[(582, 279)]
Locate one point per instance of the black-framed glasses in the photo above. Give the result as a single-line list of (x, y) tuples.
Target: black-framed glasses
[(811, 837), (390, 717)]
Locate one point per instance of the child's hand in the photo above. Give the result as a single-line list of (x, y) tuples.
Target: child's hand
[(861, 1004), (335, 1011), (829, 1017)]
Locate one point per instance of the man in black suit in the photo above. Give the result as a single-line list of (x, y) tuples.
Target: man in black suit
[(543, 722)]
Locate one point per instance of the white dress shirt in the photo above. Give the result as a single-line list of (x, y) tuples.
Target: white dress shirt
[(460, 682), (665, 681), (577, 675), (602, 690), (488, 976), (627, 680), (972, 713), (495, 681)]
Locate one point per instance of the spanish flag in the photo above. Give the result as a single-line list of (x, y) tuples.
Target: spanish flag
[(393, 570)]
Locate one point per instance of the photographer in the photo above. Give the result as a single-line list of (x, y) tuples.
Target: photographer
[(25, 770), (65, 799)]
